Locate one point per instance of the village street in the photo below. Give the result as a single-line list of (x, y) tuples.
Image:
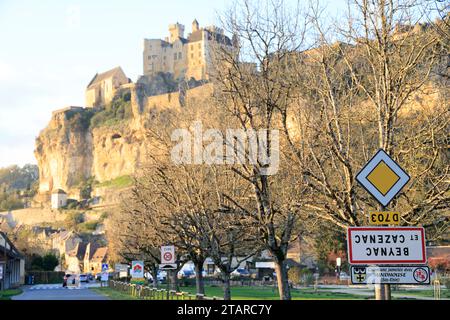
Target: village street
[(56, 292)]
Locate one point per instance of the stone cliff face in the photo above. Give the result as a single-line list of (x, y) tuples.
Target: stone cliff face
[(69, 151), (63, 152)]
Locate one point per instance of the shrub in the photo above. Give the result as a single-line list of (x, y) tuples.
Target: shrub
[(307, 278), (117, 111), (446, 282), (294, 275)]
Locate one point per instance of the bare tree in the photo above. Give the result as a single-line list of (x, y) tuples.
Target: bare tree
[(253, 88)]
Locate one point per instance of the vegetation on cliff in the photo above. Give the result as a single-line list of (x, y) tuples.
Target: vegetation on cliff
[(16, 184), (114, 113)]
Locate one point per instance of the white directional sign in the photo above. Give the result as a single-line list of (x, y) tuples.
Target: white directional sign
[(386, 245), (168, 259), (390, 275), (1, 271), (382, 177)]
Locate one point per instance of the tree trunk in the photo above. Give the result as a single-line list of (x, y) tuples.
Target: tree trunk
[(199, 283), (226, 286), (282, 281), (172, 274), (154, 272), (387, 292)]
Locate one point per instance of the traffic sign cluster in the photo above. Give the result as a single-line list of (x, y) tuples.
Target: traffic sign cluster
[(386, 255)]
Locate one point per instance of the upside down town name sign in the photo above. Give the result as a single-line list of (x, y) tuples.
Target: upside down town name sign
[(386, 245)]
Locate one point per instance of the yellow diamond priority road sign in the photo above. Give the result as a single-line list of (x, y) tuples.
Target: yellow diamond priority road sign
[(382, 177)]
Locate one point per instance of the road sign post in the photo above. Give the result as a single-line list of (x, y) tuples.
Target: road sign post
[(168, 258), (383, 178)]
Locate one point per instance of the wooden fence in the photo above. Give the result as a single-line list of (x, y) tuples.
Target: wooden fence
[(150, 293)]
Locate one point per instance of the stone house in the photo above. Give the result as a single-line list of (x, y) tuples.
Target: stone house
[(59, 199), (12, 264), (74, 258), (64, 242), (94, 258), (102, 88)]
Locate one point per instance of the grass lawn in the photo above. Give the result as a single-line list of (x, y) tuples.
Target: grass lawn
[(271, 293), (113, 294), (445, 293), (7, 294), (247, 293)]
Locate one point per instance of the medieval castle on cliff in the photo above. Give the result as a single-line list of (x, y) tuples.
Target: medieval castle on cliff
[(185, 58)]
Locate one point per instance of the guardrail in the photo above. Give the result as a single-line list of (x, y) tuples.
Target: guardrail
[(149, 293)]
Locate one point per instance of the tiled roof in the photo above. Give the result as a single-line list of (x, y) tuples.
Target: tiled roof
[(99, 77), (99, 255)]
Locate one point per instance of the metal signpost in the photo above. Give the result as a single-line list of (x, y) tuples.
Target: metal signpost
[(383, 178)]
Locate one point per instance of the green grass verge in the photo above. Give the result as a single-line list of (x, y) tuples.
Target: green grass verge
[(7, 294), (119, 182), (113, 294), (248, 293), (445, 293), (271, 293)]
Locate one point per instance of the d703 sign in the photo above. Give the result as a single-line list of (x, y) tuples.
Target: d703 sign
[(384, 245)]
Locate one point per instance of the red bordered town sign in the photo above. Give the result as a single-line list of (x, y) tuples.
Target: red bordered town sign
[(386, 245)]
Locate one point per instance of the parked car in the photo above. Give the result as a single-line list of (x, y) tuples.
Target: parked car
[(240, 272), (162, 276), (84, 278), (90, 277), (186, 273)]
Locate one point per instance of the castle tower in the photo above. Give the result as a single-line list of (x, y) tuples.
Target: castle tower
[(176, 31), (195, 25)]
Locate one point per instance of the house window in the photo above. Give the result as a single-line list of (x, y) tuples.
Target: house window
[(199, 53), (179, 55), (192, 56), (199, 45), (175, 56)]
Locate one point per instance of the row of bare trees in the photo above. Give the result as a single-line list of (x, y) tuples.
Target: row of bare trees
[(335, 92)]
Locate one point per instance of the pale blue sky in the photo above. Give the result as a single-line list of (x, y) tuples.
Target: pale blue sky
[(50, 50)]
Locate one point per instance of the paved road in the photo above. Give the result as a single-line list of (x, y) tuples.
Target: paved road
[(56, 292)]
